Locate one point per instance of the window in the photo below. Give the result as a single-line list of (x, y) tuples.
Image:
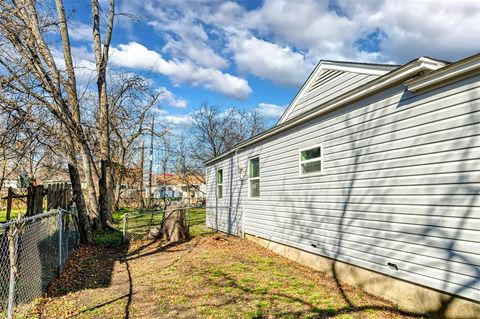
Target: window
[(254, 177), (220, 183), (311, 160)]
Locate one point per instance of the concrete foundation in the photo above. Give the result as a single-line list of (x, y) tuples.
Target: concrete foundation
[(406, 295)]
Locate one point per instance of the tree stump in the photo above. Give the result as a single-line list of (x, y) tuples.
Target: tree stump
[(173, 229)]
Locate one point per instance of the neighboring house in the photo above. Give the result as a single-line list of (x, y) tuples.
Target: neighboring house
[(371, 174), (173, 185)]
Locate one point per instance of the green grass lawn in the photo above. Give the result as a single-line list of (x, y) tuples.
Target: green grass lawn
[(211, 276), (13, 214)]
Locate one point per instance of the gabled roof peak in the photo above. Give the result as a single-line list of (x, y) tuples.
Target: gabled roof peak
[(327, 72)]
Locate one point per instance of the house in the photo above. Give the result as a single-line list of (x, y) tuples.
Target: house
[(186, 187), (372, 174)]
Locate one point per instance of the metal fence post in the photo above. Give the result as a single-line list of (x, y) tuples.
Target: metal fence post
[(13, 261), (188, 220), (124, 231), (67, 235), (60, 239)]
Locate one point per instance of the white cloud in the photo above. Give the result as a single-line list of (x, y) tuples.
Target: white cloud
[(135, 55), (168, 98), (190, 42), (271, 111), (270, 61), (173, 120), (281, 40), (178, 120), (195, 51), (82, 53), (307, 25), (443, 29)]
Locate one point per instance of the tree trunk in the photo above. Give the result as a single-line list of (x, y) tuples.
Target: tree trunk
[(174, 228), (103, 192), (92, 202), (83, 222), (101, 61), (118, 175), (105, 181), (78, 141)]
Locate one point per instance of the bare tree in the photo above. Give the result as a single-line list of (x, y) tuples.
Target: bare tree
[(101, 59), (130, 100), (29, 68), (17, 134), (255, 122), (215, 132)]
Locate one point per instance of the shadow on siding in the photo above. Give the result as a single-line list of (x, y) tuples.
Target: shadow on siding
[(462, 192)]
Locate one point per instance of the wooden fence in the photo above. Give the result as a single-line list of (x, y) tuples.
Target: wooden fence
[(58, 196)]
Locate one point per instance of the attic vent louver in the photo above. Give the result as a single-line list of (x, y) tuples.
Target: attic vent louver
[(324, 77)]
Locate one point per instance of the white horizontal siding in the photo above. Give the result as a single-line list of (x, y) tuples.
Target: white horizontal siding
[(224, 214), (372, 262), (388, 235), (346, 223), (401, 184), (404, 253)]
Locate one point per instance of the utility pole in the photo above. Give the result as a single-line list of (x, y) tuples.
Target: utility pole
[(150, 177), (142, 160), (164, 168)]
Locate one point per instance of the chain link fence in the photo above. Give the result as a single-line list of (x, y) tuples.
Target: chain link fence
[(137, 225), (32, 252)]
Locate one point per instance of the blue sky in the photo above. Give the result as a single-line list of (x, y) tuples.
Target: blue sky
[(257, 54)]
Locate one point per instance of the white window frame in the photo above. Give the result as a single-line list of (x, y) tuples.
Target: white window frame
[(300, 162), (218, 184), (254, 178)]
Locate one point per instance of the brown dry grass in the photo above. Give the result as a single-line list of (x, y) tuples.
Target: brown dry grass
[(212, 276)]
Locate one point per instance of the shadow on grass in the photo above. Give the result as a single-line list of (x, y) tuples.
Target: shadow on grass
[(224, 280), (91, 267)]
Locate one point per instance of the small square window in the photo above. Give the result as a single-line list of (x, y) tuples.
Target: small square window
[(311, 160)]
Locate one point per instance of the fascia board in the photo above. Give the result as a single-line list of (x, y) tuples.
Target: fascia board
[(445, 74)]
